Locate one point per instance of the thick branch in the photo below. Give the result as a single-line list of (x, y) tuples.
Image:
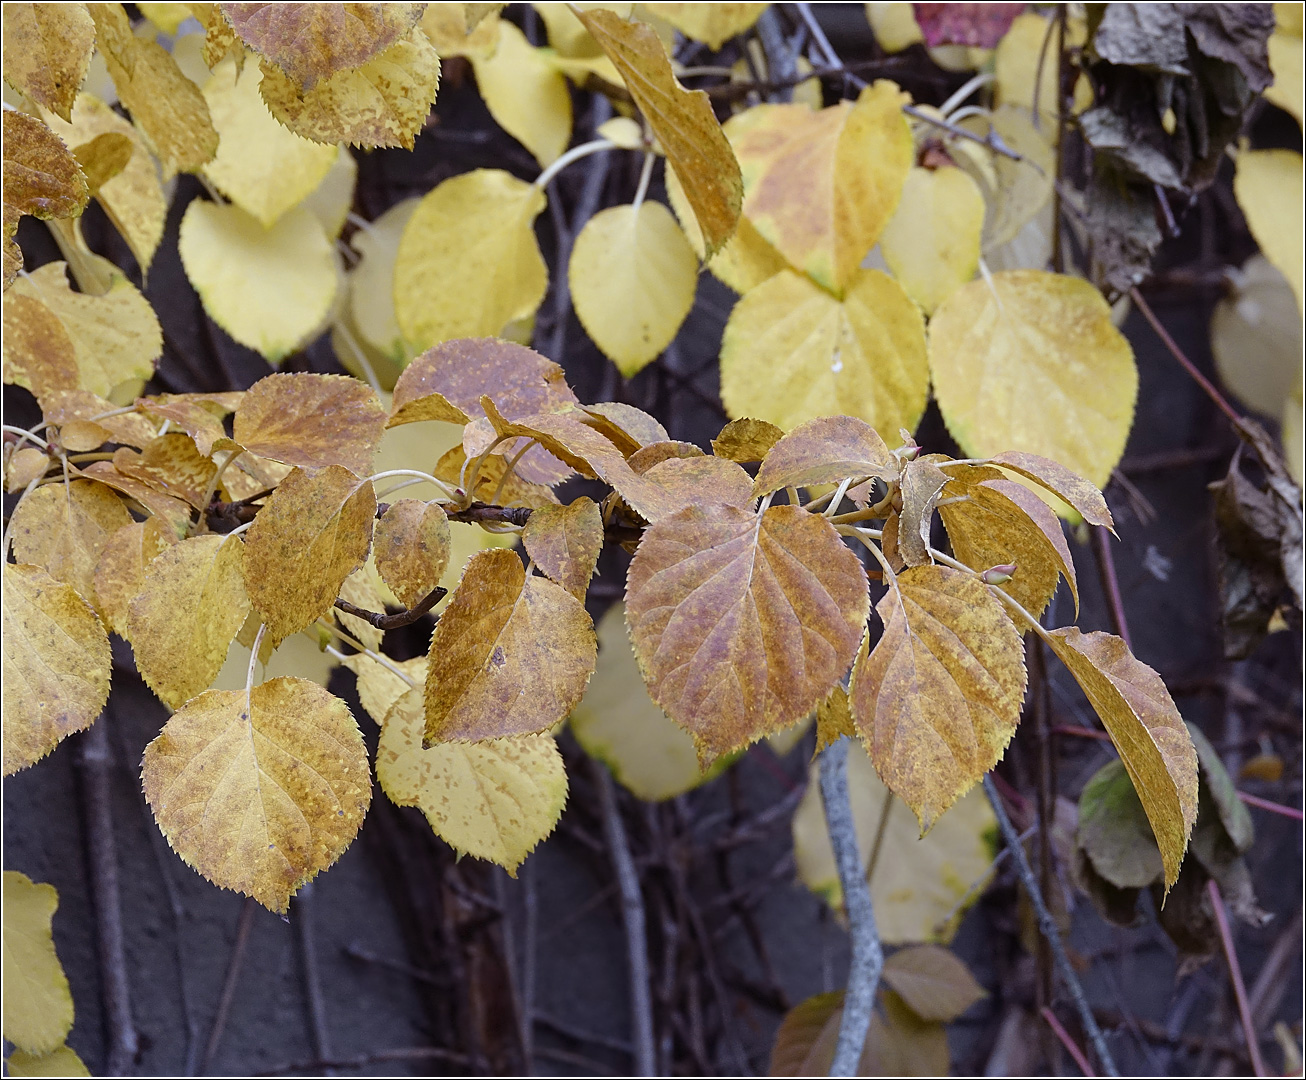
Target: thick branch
[(868, 955)]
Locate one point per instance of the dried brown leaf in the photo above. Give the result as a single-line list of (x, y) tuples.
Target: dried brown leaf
[(171, 465), (311, 420), (38, 353), (1066, 485), (412, 548), (825, 451), (565, 541), (628, 427), (47, 49), (173, 512), (41, 176), (933, 982), (921, 485), (746, 440), (120, 573)]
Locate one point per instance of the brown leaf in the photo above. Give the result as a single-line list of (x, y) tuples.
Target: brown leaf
[(682, 121), (41, 177), (702, 480), (628, 427), (565, 541), (64, 406), (312, 533), (38, 353), (825, 451), (1138, 713), (311, 420), (104, 157), (198, 415), (412, 548), (56, 664), (511, 655), (120, 572), (24, 466), (47, 49), (997, 521), (447, 382), (172, 465), (922, 484), (833, 720), (646, 457), (173, 512), (311, 42), (191, 603), (746, 440), (1063, 483), (933, 982), (496, 485), (62, 528), (938, 698), (742, 622), (259, 790)]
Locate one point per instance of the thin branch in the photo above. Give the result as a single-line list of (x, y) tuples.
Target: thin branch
[(402, 618), (1272, 807), (868, 954), (1048, 926), (632, 913), (1236, 977), (1106, 565), (229, 982), (318, 1028), (1072, 1048)]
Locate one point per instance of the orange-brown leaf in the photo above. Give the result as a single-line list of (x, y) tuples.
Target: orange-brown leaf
[(173, 512), (701, 480), (746, 440), (41, 176), (63, 406), (921, 484), (511, 655), (496, 485), (311, 420), (38, 353), (824, 451), (47, 48), (1063, 483), (742, 622), (172, 465), (120, 572), (412, 548), (938, 698), (565, 541), (198, 415), (630, 428)]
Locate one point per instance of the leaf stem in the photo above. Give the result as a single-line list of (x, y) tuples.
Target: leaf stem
[(507, 472), (1048, 926), (253, 659), (1063, 1036), (25, 436), (1034, 624), (359, 355), (839, 493), (645, 175), (867, 952), (4, 541), (420, 475), (203, 523), (1236, 977), (380, 658), (595, 146)]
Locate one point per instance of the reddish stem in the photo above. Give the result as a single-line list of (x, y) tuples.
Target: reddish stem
[(1081, 732), (1106, 565), (1272, 807), (1064, 1036), (1236, 977)]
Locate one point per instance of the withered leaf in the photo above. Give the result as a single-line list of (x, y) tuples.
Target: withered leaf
[(682, 121), (172, 465), (56, 664), (834, 720), (24, 466), (259, 790), (646, 457), (938, 698), (198, 415), (742, 622), (47, 49), (41, 176), (119, 575), (565, 541), (825, 451), (1066, 485), (38, 353), (412, 548), (64, 406), (191, 603), (173, 512), (922, 484), (1139, 715), (63, 527), (932, 981), (311, 420), (104, 157), (746, 440), (511, 655), (702, 479), (312, 533), (496, 485), (1113, 832), (628, 427)]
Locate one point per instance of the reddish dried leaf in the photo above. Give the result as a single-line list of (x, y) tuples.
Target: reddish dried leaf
[(311, 421), (646, 457), (198, 415), (977, 25)]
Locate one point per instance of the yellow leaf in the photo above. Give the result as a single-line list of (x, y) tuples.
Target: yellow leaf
[(618, 723), (496, 486), (1031, 360), (633, 278), (104, 157), (938, 698), (312, 42), (65, 406), (712, 24), (412, 548), (742, 622), (746, 440), (894, 26), (932, 242), (120, 573), (468, 261), (167, 106), (40, 178), (167, 17), (1139, 715), (626, 133), (821, 186), (371, 283), (38, 353), (567, 35), (825, 451), (38, 1007), (510, 655), (133, 200), (333, 198), (311, 420), (1268, 186), (56, 665), (270, 289), (25, 466), (564, 542), (171, 511), (261, 166), (446, 26), (792, 352), (699, 480), (920, 886), (682, 121), (495, 800), (379, 687), (1256, 336), (259, 791), (61, 1061), (1014, 191), (527, 96), (198, 415), (172, 465), (383, 103), (362, 588), (47, 49), (191, 603), (312, 533), (1285, 51), (1033, 39), (995, 522), (62, 528), (834, 720)]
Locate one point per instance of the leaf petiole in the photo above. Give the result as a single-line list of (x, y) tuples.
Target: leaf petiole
[(596, 146)]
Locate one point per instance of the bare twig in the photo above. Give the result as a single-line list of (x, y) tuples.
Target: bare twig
[(1236, 977), (1048, 926), (1106, 565), (304, 911), (96, 761), (229, 983), (1272, 807), (868, 954), (402, 618), (632, 913), (1071, 1046)]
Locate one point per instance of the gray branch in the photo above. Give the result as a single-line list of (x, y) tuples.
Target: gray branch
[(868, 955), (1048, 927)]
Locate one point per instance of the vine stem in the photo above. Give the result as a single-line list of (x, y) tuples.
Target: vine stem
[(1236, 977), (594, 146), (26, 436), (1072, 1048), (868, 954), (1048, 926), (645, 175)]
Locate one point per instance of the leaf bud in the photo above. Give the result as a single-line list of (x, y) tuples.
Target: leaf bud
[(998, 575)]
